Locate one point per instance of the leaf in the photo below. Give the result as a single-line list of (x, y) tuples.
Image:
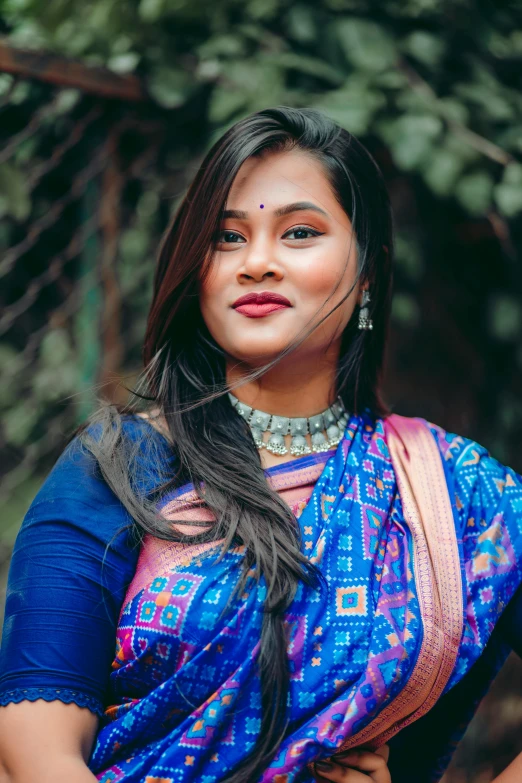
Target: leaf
[(151, 10), (408, 256), (148, 204), (454, 110), (170, 87), (19, 421), (262, 9), (226, 45), (462, 149), (505, 317), (495, 105), (67, 100), (509, 199), (124, 63), (6, 81), (209, 70), (122, 44), (511, 138), (11, 364), (26, 151), (366, 44), (57, 373), (309, 65), (79, 43), (55, 349), (411, 138), (475, 192), (134, 243), (14, 193), (513, 174), (424, 47), (390, 80), (225, 103), (405, 309), (260, 81), (300, 24), (508, 194), (20, 93), (441, 170), (28, 34), (353, 106), (49, 385)]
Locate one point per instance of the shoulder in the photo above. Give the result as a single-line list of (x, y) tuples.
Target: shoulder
[(76, 490), (466, 455), (463, 457), (475, 473), (155, 420)]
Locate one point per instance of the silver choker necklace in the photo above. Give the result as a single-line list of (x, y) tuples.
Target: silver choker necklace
[(326, 429)]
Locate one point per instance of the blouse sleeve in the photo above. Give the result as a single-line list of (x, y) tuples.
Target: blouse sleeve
[(73, 559), (487, 499)]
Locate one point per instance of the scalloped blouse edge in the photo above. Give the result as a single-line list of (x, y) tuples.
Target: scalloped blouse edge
[(65, 695)]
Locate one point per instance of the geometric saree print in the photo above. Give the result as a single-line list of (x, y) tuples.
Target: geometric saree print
[(185, 691)]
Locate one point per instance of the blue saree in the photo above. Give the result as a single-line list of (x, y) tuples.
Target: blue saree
[(184, 699)]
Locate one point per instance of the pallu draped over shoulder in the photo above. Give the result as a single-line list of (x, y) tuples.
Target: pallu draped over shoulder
[(420, 556)]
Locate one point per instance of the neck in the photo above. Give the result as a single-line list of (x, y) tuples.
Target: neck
[(289, 390)]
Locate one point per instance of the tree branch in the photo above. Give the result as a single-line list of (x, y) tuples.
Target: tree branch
[(69, 73), (482, 145)]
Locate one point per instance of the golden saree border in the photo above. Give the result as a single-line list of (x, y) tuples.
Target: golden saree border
[(429, 515)]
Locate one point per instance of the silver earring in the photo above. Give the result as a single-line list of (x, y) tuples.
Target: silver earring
[(365, 322)]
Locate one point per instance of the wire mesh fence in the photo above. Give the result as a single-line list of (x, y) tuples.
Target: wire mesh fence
[(82, 209)]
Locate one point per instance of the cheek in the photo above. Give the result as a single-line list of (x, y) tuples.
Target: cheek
[(317, 281), (326, 278), (210, 292)]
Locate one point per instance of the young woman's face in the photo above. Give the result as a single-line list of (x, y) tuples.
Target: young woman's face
[(284, 233)]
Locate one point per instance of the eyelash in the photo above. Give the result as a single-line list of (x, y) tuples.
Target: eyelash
[(296, 228)]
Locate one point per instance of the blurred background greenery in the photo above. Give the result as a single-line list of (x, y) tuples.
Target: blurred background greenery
[(106, 109)]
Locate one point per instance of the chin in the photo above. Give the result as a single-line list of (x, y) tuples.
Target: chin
[(256, 353)]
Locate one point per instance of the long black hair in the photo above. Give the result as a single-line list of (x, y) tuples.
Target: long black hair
[(184, 379)]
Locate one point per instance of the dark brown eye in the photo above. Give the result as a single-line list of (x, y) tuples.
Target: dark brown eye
[(301, 229), (231, 236)]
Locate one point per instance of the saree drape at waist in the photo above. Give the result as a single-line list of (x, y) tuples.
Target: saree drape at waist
[(185, 685)]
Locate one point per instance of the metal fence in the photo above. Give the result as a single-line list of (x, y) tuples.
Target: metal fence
[(82, 208)]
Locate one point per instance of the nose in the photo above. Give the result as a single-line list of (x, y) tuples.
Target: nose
[(259, 262)]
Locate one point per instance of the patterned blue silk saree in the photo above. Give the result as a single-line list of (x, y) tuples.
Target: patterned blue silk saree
[(420, 555)]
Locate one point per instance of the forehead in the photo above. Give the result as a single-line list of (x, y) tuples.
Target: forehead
[(294, 173)]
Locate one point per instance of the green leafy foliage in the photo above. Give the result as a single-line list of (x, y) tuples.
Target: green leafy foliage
[(508, 194), (406, 71), (506, 317), (14, 196)]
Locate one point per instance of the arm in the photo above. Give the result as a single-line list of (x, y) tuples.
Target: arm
[(67, 580), (46, 741), (512, 774)]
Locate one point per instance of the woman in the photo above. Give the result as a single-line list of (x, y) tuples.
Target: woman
[(257, 539)]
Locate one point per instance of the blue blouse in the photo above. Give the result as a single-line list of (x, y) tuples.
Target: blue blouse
[(74, 557)]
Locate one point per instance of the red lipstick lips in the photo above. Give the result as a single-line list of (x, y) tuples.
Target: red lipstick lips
[(258, 305)]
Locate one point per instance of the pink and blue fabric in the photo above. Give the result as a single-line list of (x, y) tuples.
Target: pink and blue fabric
[(182, 702)]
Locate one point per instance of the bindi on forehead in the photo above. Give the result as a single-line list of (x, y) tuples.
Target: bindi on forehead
[(261, 206)]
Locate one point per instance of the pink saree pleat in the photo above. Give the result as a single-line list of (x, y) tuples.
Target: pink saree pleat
[(428, 512)]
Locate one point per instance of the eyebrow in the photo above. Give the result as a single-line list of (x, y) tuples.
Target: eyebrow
[(297, 206)]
